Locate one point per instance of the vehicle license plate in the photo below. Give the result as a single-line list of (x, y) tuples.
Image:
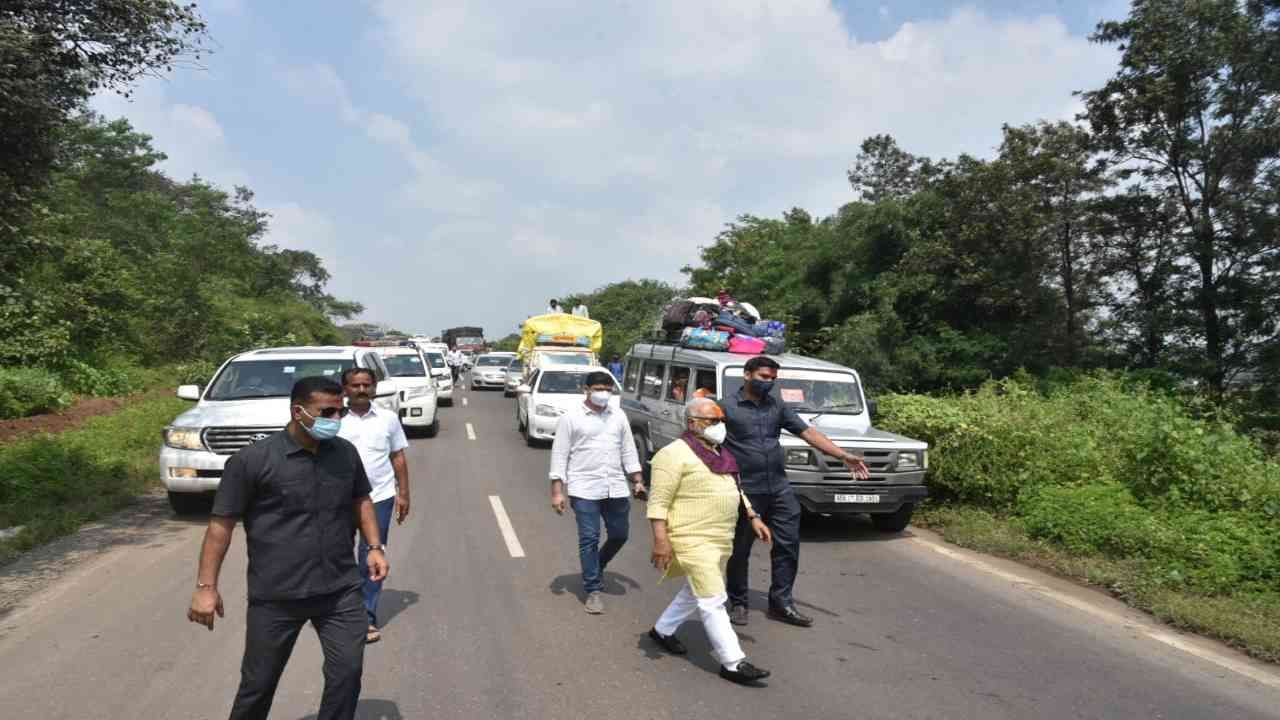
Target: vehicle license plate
[(857, 498)]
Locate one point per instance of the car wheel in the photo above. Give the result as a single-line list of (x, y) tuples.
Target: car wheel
[(190, 503), (433, 429), (893, 522), (446, 402)]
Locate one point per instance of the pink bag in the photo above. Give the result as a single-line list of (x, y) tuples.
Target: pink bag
[(746, 345)]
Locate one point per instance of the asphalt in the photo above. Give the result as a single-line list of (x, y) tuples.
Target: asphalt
[(95, 625)]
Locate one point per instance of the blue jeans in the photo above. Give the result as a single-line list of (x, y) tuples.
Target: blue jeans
[(616, 513), (372, 590)]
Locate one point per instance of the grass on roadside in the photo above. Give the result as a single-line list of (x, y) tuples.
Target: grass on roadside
[(1249, 621), (53, 484)]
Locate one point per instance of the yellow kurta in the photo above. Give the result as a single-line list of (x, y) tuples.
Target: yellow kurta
[(701, 510)]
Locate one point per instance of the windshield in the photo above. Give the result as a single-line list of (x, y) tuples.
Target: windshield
[(404, 366), (516, 365), (833, 393), (493, 361), (270, 378), (469, 340), (567, 358), (436, 360), (563, 383)]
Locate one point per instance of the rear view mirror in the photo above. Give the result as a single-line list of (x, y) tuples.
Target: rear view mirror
[(189, 392)]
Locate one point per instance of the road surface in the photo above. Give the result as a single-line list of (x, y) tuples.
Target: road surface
[(483, 619)]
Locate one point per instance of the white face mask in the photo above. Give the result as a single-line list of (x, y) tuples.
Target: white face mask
[(716, 434), (600, 398)]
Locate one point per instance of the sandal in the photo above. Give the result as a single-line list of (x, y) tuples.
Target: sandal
[(372, 635)]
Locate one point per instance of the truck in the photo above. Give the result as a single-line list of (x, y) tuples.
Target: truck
[(466, 339)]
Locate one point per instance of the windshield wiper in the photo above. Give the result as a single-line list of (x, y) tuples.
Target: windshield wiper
[(833, 408)]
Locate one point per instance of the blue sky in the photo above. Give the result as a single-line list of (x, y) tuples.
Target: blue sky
[(462, 162)]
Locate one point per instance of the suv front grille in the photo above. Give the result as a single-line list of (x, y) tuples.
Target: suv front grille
[(878, 461), (228, 440)]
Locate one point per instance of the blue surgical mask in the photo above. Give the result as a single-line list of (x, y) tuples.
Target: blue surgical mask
[(761, 387), (321, 428)]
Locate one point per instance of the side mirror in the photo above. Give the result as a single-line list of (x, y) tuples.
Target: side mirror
[(873, 409), (385, 388), (189, 392)]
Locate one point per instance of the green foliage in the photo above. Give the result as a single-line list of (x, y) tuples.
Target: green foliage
[(99, 381), (26, 391), (54, 483), (1100, 465), (195, 372), (510, 343)]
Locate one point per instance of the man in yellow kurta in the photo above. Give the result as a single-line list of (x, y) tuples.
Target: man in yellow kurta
[(693, 507)]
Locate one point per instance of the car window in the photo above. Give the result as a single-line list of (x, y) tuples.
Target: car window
[(567, 358), (651, 379), (678, 385), (835, 393), (245, 379), (373, 361), (405, 366), (516, 365), (632, 375), (561, 383), (436, 360), (705, 379)]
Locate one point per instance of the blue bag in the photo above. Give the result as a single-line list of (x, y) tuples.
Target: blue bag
[(701, 339)]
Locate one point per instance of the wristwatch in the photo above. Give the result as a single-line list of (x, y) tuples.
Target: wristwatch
[(383, 548)]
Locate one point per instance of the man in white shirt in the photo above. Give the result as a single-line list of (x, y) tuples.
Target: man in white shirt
[(380, 439), (592, 451), (454, 360), (553, 307), (580, 310)]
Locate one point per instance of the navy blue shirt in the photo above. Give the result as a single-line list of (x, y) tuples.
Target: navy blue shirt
[(298, 513), (753, 439)]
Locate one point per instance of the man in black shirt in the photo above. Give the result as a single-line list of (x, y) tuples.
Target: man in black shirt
[(755, 420), (299, 493)]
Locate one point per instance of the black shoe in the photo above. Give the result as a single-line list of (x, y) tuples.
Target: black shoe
[(670, 643), (746, 674), (791, 616), (738, 614)]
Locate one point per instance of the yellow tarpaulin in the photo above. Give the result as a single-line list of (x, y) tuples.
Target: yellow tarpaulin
[(560, 329)]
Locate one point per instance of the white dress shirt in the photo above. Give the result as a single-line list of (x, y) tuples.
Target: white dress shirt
[(592, 451), (376, 435)]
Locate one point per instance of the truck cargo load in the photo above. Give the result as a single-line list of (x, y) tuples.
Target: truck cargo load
[(558, 329)]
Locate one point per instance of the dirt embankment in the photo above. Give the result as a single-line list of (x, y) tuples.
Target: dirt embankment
[(67, 419)]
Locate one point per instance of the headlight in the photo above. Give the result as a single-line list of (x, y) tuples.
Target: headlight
[(183, 438), (800, 457), (417, 392), (909, 460), (547, 411)]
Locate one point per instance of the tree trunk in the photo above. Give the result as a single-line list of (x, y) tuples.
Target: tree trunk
[(1208, 300)]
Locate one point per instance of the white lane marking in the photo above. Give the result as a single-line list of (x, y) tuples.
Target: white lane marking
[(471, 432), (504, 524), (1027, 583), (464, 402)]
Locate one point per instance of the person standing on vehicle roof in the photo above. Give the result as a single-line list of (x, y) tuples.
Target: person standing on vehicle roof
[(378, 436), (591, 458), (301, 494), (755, 420)]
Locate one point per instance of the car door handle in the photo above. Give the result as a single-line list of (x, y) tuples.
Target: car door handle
[(666, 413)]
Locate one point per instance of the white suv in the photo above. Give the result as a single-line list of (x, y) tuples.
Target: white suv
[(411, 373), (247, 401), (441, 372)]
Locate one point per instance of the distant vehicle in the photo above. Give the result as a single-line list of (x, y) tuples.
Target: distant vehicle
[(559, 339), (660, 377), (247, 401), (440, 371), (411, 373), (515, 373), (550, 393), (490, 371), (466, 339)]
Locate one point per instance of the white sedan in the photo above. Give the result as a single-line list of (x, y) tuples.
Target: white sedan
[(550, 393)]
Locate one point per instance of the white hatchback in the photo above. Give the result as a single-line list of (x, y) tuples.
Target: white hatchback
[(550, 393)]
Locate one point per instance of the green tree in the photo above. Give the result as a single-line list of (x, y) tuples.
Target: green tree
[(626, 310), (1192, 112)]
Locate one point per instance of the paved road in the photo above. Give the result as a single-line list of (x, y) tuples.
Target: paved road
[(905, 628)]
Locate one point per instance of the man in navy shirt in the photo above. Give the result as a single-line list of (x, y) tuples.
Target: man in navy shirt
[(755, 420)]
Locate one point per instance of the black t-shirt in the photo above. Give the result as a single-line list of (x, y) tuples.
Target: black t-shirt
[(298, 513)]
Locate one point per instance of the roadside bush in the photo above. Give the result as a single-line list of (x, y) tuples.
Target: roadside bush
[(196, 372), (86, 379), (27, 391)]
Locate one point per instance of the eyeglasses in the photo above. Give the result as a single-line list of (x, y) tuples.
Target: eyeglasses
[(329, 412)]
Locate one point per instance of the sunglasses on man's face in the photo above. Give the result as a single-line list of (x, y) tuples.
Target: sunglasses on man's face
[(329, 412)]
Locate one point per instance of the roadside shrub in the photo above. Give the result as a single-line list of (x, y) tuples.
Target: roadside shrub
[(28, 391), (196, 372), (86, 379), (1100, 519)]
